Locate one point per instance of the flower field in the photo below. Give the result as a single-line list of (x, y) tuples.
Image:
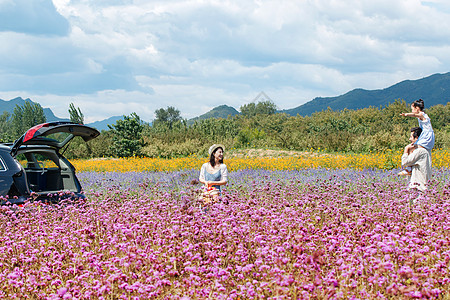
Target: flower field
[(386, 160), (276, 234)]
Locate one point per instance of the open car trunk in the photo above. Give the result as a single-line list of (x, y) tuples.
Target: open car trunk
[(47, 172), (35, 168), (49, 175), (38, 150)]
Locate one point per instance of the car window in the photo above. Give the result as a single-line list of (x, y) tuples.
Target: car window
[(59, 136), (22, 160), (2, 165), (36, 160)]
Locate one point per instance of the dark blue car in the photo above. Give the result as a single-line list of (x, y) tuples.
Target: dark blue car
[(32, 168)]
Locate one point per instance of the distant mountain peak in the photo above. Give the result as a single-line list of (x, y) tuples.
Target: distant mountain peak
[(9, 105), (222, 111), (103, 125)]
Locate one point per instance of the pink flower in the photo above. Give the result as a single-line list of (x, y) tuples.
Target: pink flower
[(62, 291)]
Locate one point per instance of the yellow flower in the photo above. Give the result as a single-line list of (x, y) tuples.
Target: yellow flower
[(382, 160)]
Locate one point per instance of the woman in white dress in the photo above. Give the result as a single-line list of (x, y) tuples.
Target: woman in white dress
[(214, 174)]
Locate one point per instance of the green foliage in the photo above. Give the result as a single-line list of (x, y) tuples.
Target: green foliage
[(76, 116), (392, 160), (127, 136), (261, 108), (172, 150), (363, 130), (249, 137), (439, 115), (78, 148), (98, 147), (26, 116), (212, 128), (23, 118), (443, 138), (184, 140), (166, 118), (5, 128)]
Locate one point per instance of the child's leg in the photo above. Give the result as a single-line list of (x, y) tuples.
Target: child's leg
[(412, 149), (405, 172), (409, 169)]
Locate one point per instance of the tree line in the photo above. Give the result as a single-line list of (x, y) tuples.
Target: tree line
[(258, 126), (13, 126)]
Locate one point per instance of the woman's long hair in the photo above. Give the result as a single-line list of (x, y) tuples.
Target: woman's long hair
[(212, 159)]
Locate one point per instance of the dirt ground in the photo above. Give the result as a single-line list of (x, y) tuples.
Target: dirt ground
[(266, 153), (252, 153)]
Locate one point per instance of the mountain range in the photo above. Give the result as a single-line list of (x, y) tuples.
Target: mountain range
[(8, 106), (434, 89)]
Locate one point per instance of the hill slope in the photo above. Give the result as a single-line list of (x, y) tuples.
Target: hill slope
[(103, 125), (434, 89), (222, 111)]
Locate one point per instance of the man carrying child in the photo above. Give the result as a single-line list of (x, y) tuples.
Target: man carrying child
[(419, 159)]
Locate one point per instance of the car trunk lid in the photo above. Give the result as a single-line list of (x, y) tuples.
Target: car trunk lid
[(54, 134)]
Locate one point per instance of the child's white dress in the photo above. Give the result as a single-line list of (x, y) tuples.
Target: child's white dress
[(426, 138)]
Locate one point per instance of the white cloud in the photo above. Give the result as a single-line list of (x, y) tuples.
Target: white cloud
[(115, 57)]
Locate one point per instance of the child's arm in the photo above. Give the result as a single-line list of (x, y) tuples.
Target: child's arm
[(411, 114)]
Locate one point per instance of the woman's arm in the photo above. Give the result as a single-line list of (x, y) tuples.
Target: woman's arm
[(210, 183), (223, 175), (201, 177)]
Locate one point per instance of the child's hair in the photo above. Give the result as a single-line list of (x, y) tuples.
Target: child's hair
[(419, 103), (416, 131)]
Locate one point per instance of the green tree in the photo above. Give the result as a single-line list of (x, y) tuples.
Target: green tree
[(167, 117), (275, 126), (26, 116), (127, 136), (440, 115), (248, 110), (261, 108), (5, 127), (76, 116), (266, 107)]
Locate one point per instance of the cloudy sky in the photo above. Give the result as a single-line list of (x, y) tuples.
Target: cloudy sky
[(115, 57)]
